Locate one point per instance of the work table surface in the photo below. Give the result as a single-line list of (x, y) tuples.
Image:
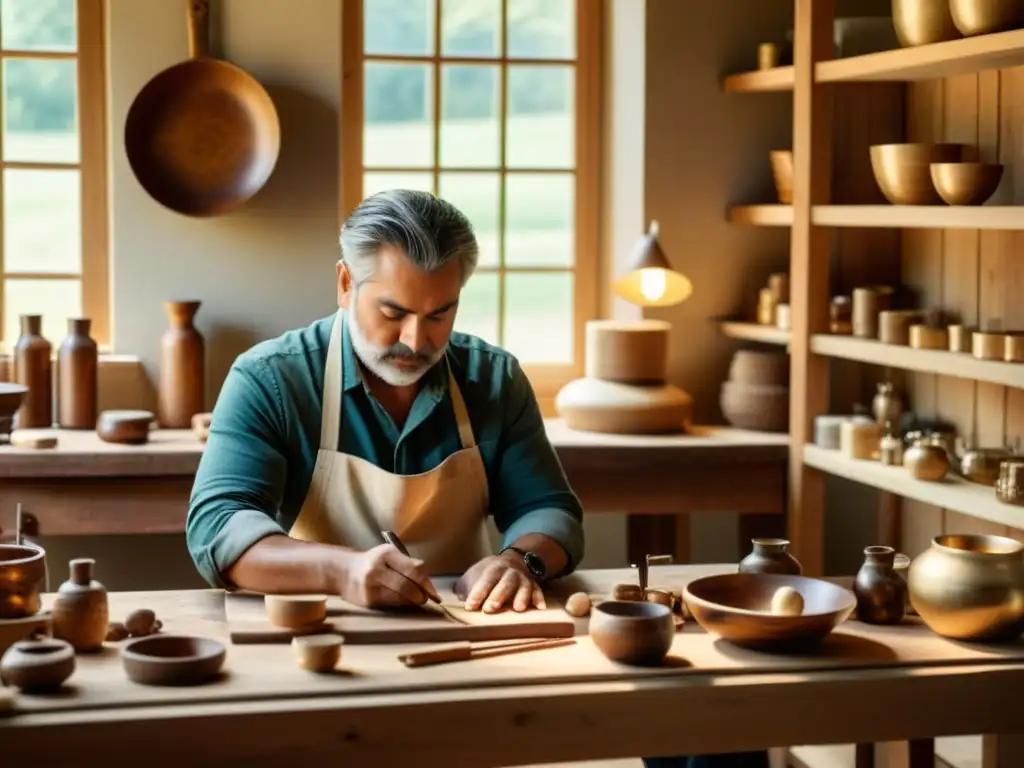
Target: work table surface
[(494, 718), (174, 452)]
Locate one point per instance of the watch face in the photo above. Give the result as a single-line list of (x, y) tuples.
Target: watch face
[(535, 564)]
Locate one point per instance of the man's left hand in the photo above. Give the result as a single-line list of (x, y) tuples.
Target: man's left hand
[(498, 581)]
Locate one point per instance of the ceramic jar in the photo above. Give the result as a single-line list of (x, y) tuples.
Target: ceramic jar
[(80, 612), (181, 388), (881, 592), (77, 372), (970, 587), (890, 449), (770, 556), (927, 459), (37, 666), (886, 405), (33, 369), (22, 573)]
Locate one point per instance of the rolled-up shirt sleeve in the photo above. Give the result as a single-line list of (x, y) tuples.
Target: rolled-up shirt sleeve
[(528, 488), (241, 476)]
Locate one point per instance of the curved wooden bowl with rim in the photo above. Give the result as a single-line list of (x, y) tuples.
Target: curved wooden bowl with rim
[(173, 659)]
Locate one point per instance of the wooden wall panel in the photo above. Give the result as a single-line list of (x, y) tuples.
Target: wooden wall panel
[(974, 277)]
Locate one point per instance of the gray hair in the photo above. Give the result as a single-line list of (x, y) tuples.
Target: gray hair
[(430, 231)]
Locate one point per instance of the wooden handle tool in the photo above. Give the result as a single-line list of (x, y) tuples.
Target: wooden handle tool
[(466, 651), (392, 538)]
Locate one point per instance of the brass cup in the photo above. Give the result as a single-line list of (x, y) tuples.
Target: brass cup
[(921, 22), (982, 17), (903, 171), (767, 56), (966, 183), (22, 570)]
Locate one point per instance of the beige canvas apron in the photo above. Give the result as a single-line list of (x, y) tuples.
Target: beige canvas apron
[(440, 515)]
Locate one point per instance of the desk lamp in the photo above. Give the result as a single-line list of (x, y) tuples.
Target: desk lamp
[(623, 390)]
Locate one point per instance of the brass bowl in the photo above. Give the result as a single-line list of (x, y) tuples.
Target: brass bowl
[(735, 607), (966, 183), (22, 570), (970, 587), (922, 22), (903, 171), (982, 17)]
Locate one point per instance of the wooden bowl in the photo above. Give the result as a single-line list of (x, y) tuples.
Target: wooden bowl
[(735, 607), (173, 659), (11, 397), (37, 666), (903, 171), (630, 632), (922, 22), (982, 17), (966, 183), (296, 611), (782, 174), (125, 427), (22, 570)]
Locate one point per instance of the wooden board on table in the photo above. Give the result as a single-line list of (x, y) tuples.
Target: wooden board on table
[(248, 623)]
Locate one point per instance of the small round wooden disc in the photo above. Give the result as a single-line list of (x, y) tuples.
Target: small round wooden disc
[(28, 438)]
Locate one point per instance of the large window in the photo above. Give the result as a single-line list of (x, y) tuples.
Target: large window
[(53, 210), (490, 104)]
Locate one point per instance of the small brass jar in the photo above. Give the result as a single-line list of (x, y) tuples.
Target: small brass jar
[(890, 451), (927, 459), (1010, 483)]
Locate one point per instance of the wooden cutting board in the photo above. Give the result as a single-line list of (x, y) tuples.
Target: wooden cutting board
[(248, 623)]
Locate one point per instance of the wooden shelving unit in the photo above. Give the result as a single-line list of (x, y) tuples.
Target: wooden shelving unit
[(1002, 217), (762, 215), (763, 81), (765, 334)]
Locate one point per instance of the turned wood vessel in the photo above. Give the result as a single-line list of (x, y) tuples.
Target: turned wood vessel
[(181, 387), (880, 591), (33, 366), (631, 632), (77, 377), (80, 612), (37, 666)]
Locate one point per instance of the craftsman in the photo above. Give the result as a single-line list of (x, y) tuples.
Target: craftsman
[(380, 417)]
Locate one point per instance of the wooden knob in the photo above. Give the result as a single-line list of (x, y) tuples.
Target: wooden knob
[(81, 570)]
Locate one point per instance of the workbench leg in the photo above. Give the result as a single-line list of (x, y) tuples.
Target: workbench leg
[(1003, 751)]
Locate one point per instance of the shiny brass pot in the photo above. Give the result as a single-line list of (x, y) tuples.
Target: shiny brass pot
[(970, 587), (22, 570)]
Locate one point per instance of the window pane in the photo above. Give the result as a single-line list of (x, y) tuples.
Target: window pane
[(477, 196), (55, 300), (40, 115), (398, 27), (42, 221), (38, 25), (542, 29), (541, 128), (469, 116), (539, 317), (381, 180), (399, 117), (478, 307), (471, 27), (539, 220)]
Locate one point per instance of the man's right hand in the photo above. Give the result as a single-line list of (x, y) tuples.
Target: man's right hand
[(383, 576)]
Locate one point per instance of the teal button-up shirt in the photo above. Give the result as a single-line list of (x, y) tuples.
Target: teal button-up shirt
[(265, 434)]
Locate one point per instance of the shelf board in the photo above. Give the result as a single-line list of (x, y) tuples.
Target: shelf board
[(762, 215), (919, 216), (766, 334), (760, 81), (960, 365), (953, 493), (928, 62)]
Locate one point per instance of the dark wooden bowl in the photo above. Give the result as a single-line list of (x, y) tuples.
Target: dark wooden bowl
[(630, 632), (736, 607), (173, 659), (11, 396)]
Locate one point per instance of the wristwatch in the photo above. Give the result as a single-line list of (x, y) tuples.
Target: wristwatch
[(534, 563)]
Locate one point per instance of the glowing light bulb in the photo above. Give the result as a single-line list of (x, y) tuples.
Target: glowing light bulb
[(652, 283)]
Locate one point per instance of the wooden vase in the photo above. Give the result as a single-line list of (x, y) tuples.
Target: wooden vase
[(81, 611), (182, 367), (33, 368), (77, 382)]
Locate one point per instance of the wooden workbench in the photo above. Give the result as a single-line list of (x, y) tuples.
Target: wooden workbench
[(85, 486), (513, 722)]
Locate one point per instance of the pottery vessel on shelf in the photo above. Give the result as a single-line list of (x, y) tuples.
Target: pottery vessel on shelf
[(980, 465), (77, 372), (22, 571), (182, 383), (1010, 483), (33, 367), (970, 587), (983, 17), (38, 665), (886, 405), (637, 633), (966, 183), (922, 22), (80, 612), (770, 556), (927, 459), (881, 592), (903, 171)]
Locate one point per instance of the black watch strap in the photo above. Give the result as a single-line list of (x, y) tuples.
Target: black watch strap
[(534, 563)]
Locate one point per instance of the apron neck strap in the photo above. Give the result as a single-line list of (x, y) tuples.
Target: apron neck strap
[(330, 422)]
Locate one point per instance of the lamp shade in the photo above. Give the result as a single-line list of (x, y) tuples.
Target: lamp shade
[(651, 281)]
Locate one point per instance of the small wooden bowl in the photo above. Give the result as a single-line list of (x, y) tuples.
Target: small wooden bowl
[(635, 633), (966, 183), (38, 666), (125, 427), (173, 659), (988, 346), (11, 396), (296, 611), (735, 607), (629, 592), (928, 337), (317, 653)]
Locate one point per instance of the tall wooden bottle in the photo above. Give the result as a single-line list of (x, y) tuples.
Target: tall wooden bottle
[(182, 367), (77, 377), (33, 368), (81, 612)]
